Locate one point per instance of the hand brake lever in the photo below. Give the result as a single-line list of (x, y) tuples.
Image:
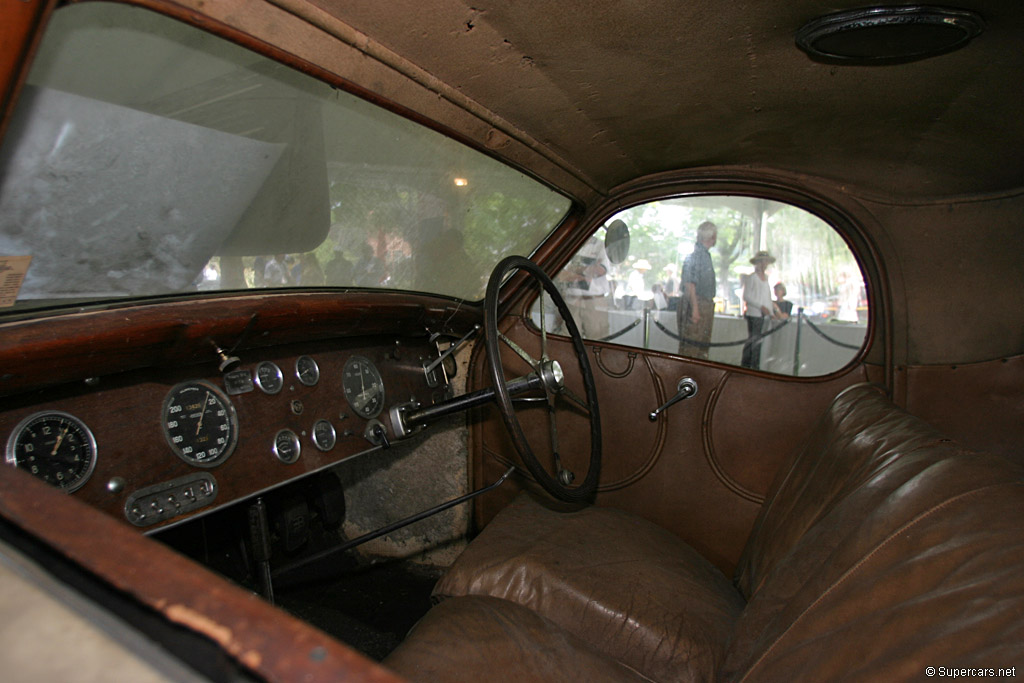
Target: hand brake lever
[(429, 368)]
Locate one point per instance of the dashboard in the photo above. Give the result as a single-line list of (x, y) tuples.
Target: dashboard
[(156, 446)]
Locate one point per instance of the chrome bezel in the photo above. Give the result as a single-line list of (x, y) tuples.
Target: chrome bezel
[(230, 414), (309, 364), (11, 454), (351, 393), (327, 443), (275, 383), (293, 441)]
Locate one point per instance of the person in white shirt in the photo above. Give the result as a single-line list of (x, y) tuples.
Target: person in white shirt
[(636, 285), (585, 288)]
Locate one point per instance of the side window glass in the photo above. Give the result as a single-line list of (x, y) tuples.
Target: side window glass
[(738, 280)]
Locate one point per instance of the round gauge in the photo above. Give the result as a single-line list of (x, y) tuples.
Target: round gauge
[(307, 371), (324, 436), (363, 387), (200, 423), (269, 378), (287, 447), (55, 447)]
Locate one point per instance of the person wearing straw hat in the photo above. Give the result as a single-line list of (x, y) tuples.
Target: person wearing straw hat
[(636, 285), (760, 309)]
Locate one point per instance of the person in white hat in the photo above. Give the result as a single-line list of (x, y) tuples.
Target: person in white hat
[(636, 286), (760, 309)]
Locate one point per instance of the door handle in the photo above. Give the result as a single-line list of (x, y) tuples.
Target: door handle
[(687, 388)]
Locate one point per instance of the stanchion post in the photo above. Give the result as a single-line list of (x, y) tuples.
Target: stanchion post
[(796, 349), (647, 328)]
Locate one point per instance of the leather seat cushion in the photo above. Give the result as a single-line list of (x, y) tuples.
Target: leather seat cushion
[(629, 588), (486, 639)]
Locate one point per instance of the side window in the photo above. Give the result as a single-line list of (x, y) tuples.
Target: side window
[(739, 280)]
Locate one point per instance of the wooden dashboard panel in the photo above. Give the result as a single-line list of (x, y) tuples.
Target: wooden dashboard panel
[(125, 410)]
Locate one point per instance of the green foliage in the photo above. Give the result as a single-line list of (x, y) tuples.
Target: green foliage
[(811, 256)]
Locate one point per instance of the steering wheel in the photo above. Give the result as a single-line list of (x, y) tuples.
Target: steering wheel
[(548, 374)]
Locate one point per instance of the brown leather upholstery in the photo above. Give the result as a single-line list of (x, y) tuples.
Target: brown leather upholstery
[(859, 435), (486, 639), (640, 594), (882, 549), (918, 583)]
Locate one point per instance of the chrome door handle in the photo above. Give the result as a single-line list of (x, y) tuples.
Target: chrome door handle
[(687, 388)]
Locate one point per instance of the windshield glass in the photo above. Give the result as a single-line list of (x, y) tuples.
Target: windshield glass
[(147, 157)]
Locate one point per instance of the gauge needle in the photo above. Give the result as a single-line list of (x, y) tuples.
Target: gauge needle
[(199, 425), (364, 397), (60, 440)]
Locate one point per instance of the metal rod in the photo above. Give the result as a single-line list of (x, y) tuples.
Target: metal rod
[(450, 350), (796, 350), (392, 527), (259, 540), (414, 418), (647, 327)]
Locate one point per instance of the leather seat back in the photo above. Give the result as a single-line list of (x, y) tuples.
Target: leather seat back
[(920, 566), (860, 434), (888, 548)]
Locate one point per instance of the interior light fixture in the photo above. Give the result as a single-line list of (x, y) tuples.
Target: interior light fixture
[(888, 35), (461, 182)]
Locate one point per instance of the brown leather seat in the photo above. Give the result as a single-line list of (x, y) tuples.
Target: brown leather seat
[(626, 586), (882, 549), (486, 639)]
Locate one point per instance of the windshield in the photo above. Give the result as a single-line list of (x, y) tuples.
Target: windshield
[(147, 157)]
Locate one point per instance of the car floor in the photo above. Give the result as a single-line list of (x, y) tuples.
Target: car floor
[(368, 604), (371, 608)]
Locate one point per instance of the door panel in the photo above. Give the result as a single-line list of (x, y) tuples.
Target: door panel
[(700, 470)]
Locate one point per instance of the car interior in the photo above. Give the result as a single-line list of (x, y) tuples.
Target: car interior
[(437, 341)]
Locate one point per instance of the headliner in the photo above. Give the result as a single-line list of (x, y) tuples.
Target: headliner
[(612, 91)]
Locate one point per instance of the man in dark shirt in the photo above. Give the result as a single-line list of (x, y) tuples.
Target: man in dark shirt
[(696, 311)]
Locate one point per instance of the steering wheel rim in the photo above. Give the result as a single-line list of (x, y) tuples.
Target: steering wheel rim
[(554, 485)]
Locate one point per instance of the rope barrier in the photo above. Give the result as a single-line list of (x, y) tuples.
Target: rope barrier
[(830, 339), (708, 345), (621, 332)]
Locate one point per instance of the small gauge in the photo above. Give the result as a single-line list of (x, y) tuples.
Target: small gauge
[(200, 423), (269, 378), (55, 447), (363, 387), (307, 371), (287, 447), (324, 436)]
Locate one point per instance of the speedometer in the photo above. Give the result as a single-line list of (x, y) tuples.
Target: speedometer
[(363, 387), (200, 423)]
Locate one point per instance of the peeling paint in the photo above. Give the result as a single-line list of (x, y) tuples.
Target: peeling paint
[(497, 140), (186, 616), (251, 659)]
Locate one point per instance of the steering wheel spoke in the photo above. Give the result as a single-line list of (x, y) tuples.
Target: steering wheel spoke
[(534, 364), (573, 398), (543, 328), (562, 484)]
